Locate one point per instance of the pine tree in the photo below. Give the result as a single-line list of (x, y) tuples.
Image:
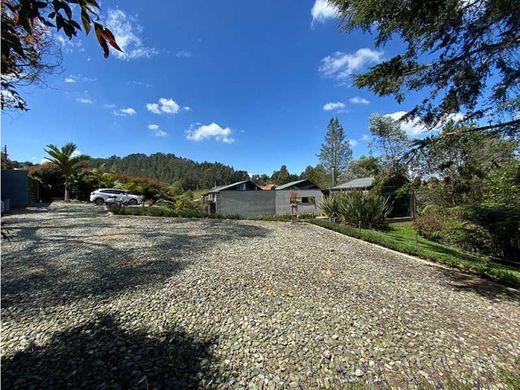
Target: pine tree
[(335, 152)]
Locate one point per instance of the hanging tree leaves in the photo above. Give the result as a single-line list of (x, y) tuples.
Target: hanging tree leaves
[(465, 53), (27, 27)]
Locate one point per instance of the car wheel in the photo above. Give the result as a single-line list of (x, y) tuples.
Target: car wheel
[(132, 202), (99, 201)]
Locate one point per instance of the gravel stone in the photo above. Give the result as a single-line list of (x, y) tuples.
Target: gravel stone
[(92, 300)]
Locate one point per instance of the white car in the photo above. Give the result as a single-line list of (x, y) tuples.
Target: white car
[(100, 196)]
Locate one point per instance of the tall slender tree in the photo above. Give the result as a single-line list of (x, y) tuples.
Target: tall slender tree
[(67, 159), (335, 152)]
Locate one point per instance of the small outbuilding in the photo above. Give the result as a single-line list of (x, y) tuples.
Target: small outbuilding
[(403, 206), (308, 195), (18, 189), (243, 198), (248, 199)]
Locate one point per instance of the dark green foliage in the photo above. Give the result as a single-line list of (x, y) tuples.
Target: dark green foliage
[(335, 152), (144, 211), (50, 177), (67, 161), (405, 240), (502, 186), (317, 175), (330, 206), (464, 53), (461, 159), (261, 179), (362, 167), (283, 176), (363, 209), (501, 223), (169, 168)]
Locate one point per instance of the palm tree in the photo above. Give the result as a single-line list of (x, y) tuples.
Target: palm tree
[(67, 159)]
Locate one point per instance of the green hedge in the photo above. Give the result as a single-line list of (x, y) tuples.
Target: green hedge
[(161, 211), (404, 239)]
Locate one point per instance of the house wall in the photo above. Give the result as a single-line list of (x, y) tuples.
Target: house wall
[(15, 186), (283, 201), (246, 203)]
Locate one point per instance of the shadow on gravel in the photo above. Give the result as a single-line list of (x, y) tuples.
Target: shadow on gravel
[(101, 256), (102, 355), (480, 285)]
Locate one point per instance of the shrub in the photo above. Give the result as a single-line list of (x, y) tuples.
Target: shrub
[(363, 209), (165, 203), (143, 211), (449, 226), (330, 207), (502, 223), (429, 224), (186, 206)]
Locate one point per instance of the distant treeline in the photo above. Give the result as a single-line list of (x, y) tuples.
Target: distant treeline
[(169, 168)]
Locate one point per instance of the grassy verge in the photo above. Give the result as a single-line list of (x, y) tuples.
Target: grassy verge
[(404, 239)]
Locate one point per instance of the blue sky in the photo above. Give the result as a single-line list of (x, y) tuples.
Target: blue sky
[(252, 85)]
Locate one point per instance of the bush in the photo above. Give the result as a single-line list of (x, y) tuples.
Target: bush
[(429, 224), (143, 211), (363, 209), (501, 223), (186, 206), (330, 207), (282, 218)]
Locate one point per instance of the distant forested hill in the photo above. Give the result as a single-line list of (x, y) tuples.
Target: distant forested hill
[(169, 168)]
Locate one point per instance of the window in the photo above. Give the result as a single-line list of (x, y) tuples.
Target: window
[(308, 200)]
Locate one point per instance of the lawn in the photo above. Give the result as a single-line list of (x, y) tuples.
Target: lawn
[(403, 238)]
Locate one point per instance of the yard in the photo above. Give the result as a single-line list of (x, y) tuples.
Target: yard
[(99, 301)]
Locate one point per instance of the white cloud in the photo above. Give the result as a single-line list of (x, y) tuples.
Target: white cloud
[(74, 78), (84, 100), (322, 10), (358, 100), (183, 53), (139, 83), (212, 130), (129, 111), (187, 108), (415, 127), (333, 106), (168, 106), (127, 32), (106, 105), (154, 108), (68, 45), (352, 142), (157, 130), (341, 65), (365, 137)]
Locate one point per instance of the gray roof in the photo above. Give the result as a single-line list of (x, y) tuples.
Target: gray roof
[(227, 186), (363, 182), (288, 185), (298, 184)]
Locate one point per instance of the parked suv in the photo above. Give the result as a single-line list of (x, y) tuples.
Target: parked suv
[(100, 196)]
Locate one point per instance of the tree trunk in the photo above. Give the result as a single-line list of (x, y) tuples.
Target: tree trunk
[(66, 191)]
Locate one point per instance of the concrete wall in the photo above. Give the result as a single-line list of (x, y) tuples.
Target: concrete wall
[(15, 186), (246, 203), (283, 201)]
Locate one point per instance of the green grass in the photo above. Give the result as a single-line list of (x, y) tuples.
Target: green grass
[(404, 239)]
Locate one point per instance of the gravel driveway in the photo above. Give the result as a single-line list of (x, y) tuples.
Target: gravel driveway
[(98, 301)]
